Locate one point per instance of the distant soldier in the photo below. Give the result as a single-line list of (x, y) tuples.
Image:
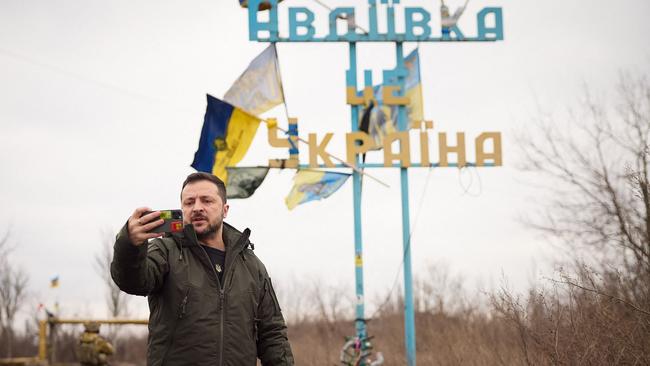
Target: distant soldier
[(93, 349)]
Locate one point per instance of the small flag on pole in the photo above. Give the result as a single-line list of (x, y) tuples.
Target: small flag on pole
[(54, 282), (309, 185), (259, 88), (225, 138), (242, 182)]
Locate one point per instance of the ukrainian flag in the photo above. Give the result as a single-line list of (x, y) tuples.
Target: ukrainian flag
[(383, 118), (309, 185), (226, 136), (413, 87)]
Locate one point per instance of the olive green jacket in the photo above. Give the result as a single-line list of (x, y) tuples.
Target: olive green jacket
[(194, 319)]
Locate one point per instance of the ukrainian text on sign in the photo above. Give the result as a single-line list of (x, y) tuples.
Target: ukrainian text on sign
[(419, 25)]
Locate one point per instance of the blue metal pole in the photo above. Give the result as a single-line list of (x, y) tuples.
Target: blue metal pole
[(409, 313), (360, 323)]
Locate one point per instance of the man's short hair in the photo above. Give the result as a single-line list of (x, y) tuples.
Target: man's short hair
[(198, 176)]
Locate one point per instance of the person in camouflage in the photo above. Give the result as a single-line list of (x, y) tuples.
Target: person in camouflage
[(93, 349)]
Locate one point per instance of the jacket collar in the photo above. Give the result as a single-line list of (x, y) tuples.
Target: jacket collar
[(234, 240)]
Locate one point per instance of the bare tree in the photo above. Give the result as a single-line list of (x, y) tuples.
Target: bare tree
[(598, 205), (116, 300), (598, 162), (439, 291), (13, 287)]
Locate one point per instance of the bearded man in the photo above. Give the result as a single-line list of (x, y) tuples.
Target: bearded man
[(211, 300)]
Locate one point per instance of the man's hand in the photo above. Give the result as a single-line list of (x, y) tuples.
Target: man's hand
[(140, 224)]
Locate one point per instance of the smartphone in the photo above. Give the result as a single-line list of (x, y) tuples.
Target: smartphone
[(173, 222)]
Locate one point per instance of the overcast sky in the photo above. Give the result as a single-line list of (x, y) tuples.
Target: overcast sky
[(102, 102)]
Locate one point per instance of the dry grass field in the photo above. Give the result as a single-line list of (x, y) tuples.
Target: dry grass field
[(562, 324)]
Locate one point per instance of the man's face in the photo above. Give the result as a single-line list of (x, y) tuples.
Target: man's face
[(203, 207)]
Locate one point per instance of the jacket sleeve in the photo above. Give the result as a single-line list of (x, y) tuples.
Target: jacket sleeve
[(273, 346), (138, 270)]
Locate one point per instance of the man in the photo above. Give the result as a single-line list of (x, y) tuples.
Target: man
[(93, 349), (210, 298)]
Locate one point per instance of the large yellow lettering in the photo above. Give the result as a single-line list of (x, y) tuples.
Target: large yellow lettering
[(353, 99), (316, 150), (353, 148), (495, 155), (404, 154), (274, 140), (286, 142), (445, 149), (389, 97)]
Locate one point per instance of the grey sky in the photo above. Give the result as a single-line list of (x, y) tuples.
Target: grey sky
[(101, 106)]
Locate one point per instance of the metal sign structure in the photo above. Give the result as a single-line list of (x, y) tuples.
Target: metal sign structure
[(419, 26)]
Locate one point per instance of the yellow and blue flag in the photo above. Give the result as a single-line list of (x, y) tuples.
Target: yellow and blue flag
[(225, 138), (383, 118), (309, 185), (413, 88)]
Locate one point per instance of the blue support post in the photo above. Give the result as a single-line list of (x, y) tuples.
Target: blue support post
[(409, 313), (360, 323), (415, 18)]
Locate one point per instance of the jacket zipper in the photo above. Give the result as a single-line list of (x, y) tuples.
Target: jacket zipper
[(222, 291), (183, 306), (222, 296)]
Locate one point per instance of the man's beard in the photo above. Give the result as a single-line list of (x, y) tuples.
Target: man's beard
[(211, 232)]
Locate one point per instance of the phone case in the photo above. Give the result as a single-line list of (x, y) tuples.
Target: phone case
[(173, 222)]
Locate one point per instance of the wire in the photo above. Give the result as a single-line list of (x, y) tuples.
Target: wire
[(417, 215), (344, 162), (341, 16), (408, 244), (466, 188), (80, 77)]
